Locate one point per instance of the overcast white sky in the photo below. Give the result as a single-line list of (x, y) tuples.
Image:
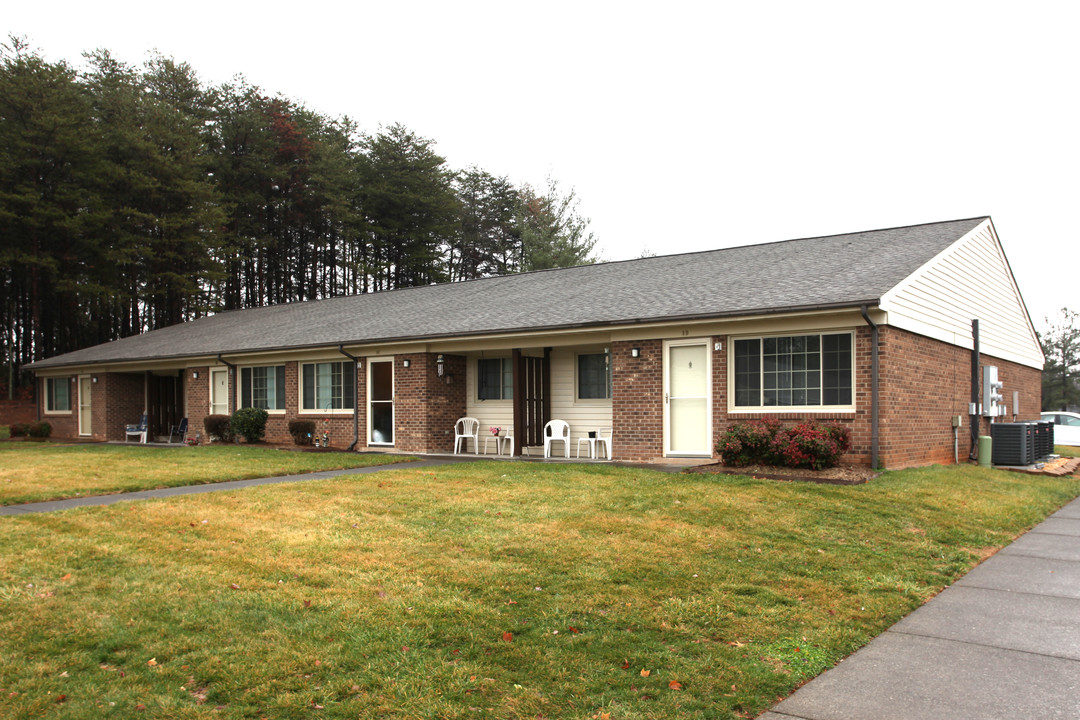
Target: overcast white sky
[(682, 126)]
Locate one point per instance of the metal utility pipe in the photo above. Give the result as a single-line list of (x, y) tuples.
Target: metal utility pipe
[(874, 387), (356, 405), (974, 416)]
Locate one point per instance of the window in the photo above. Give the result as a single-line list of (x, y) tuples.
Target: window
[(329, 386), (58, 394), (793, 371), (594, 377), (263, 387), (494, 379)]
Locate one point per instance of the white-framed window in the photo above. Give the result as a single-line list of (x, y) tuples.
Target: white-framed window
[(494, 379), (793, 371), (328, 386), (594, 376), (58, 395), (263, 387)]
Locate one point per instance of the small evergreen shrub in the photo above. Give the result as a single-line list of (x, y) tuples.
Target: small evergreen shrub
[(250, 423), (19, 429), (302, 431), (810, 445), (39, 429), (219, 426)]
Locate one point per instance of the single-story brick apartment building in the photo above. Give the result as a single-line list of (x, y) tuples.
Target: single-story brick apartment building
[(667, 351)]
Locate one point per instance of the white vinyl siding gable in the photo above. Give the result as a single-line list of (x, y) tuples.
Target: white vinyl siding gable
[(969, 280)]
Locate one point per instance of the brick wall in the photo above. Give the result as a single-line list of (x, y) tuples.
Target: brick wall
[(426, 405), (17, 411), (197, 399), (637, 397), (118, 401), (924, 383)]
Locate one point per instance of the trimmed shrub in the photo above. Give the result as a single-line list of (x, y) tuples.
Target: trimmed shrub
[(19, 429), (302, 431), (219, 426), (40, 429), (810, 445), (250, 423)]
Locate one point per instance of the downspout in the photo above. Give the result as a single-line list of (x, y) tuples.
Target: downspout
[(233, 380), (975, 422), (874, 388), (356, 405)]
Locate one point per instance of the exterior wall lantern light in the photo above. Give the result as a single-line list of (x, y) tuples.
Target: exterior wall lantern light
[(440, 365), (635, 352), (406, 363)]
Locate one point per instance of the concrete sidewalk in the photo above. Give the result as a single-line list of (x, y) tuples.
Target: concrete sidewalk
[(93, 500), (1003, 642)]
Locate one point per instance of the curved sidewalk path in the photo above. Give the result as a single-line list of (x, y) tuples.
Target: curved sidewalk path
[(92, 500), (1003, 642)]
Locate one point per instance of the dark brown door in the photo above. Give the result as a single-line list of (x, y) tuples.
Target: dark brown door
[(532, 403), (164, 406)]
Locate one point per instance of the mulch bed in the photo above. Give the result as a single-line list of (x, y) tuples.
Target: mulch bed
[(840, 475)]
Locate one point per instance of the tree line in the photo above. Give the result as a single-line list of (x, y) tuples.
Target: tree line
[(137, 197)]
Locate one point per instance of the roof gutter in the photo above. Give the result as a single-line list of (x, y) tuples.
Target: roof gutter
[(356, 405), (874, 387), (232, 376)]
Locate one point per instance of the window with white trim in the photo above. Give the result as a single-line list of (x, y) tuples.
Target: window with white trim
[(793, 371), (594, 376), (494, 379), (58, 394), (328, 386), (263, 387)]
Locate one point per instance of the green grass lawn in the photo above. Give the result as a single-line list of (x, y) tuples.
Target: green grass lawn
[(484, 590), (32, 472)]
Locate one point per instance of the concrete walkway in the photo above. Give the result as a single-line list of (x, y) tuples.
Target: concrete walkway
[(1003, 642), (93, 500)]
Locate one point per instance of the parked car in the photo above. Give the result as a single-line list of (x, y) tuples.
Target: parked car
[(1066, 427)]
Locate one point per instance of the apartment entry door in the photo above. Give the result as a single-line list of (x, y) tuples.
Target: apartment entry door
[(381, 401), (687, 398), (219, 392)]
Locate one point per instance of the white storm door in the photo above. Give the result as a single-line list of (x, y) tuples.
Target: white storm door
[(85, 385), (687, 419), (381, 402), (219, 392)]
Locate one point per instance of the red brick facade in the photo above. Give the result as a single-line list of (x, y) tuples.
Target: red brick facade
[(924, 383)]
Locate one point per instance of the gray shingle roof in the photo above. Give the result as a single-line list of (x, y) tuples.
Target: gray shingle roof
[(836, 270)]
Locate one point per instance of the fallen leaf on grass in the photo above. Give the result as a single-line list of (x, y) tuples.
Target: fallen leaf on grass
[(736, 643), (152, 662), (61, 698), (626, 665), (234, 586), (675, 685), (508, 637), (574, 630), (66, 577), (646, 673)]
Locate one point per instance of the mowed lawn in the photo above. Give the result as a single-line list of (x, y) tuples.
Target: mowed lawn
[(33, 472), (482, 590)]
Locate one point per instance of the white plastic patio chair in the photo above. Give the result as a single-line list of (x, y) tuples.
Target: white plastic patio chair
[(464, 429), (554, 431), (138, 431), (603, 442)]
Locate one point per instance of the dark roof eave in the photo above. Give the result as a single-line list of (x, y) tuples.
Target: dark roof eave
[(758, 312)]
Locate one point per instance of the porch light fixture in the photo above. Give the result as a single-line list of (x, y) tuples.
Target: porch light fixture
[(406, 363), (635, 352), (195, 374), (94, 379), (440, 365)]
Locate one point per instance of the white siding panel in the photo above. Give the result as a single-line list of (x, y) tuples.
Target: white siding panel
[(969, 280), (583, 415)]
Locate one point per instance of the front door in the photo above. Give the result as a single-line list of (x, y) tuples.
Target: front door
[(381, 402), (219, 392), (85, 385), (687, 398)]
